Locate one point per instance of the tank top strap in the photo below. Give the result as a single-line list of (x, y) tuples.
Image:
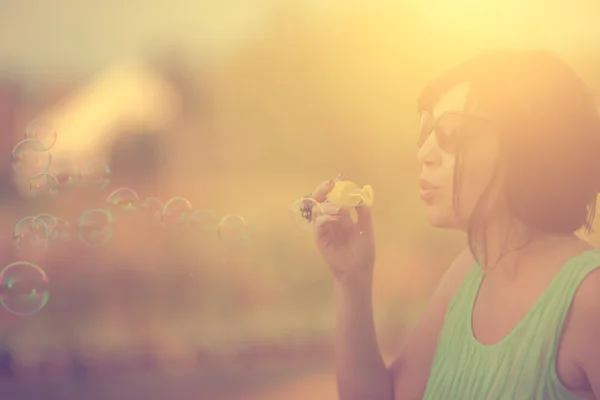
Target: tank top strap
[(461, 303), (467, 291), (561, 292)]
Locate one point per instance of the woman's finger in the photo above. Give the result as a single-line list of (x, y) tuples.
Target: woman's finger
[(325, 221), (327, 208), (334, 227), (324, 233), (320, 192)]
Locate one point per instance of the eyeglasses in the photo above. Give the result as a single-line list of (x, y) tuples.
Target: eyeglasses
[(451, 129)]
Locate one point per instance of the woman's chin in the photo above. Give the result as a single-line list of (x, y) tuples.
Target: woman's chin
[(443, 219)]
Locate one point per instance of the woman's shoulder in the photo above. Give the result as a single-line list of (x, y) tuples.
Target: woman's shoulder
[(456, 273)]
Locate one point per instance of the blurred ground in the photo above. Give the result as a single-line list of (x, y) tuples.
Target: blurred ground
[(283, 379), (285, 372), (317, 386), (282, 383), (311, 386)]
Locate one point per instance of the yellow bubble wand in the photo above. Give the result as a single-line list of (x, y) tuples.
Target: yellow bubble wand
[(348, 195)]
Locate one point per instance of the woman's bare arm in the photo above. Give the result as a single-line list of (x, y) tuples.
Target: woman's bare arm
[(410, 371), (361, 371)]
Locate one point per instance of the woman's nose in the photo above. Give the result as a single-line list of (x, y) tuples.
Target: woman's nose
[(429, 154)]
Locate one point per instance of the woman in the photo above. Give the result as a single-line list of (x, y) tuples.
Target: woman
[(510, 152)]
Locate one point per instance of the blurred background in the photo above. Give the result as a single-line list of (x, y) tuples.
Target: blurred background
[(240, 107)]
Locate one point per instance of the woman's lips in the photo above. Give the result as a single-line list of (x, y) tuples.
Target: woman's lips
[(428, 190)]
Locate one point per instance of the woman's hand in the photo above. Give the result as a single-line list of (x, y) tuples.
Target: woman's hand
[(347, 247)]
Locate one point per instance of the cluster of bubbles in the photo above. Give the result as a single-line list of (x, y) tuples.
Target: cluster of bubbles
[(24, 286), (31, 157), (32, 160), (95, 227)]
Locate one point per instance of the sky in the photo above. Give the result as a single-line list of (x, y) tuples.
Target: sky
[(367, 60), (45, 37)]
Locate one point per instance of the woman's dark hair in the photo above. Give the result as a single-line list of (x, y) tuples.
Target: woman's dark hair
[(549, 138)]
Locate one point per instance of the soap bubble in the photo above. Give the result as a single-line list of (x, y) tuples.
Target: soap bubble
[(122, 202), (304, 211), (48, 219), (177, 212), (28, 161), (204, 220), (24, 288), (66, 176), (152, 208), (44, 185), (95, 227), (60, 232), (42, 132), (31, 235), (95, 175), (233, 231)]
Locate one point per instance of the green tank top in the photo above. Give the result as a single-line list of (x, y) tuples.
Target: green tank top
[(522, 365)]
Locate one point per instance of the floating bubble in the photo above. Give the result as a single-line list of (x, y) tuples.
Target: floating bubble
[(95, 227), (177, 212), (60, 232), (48, 219), (233, 231), (66, 176), (95, 175), (152, 208), (31, 235), (44, 185), (204, 220), (28, 161), (122, 202), (304, 211), (24, 288), (42, 132)]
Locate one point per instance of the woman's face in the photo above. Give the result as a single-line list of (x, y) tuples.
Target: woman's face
[(479, 150)]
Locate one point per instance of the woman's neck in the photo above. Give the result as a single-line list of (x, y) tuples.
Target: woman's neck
[(509, 243)]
